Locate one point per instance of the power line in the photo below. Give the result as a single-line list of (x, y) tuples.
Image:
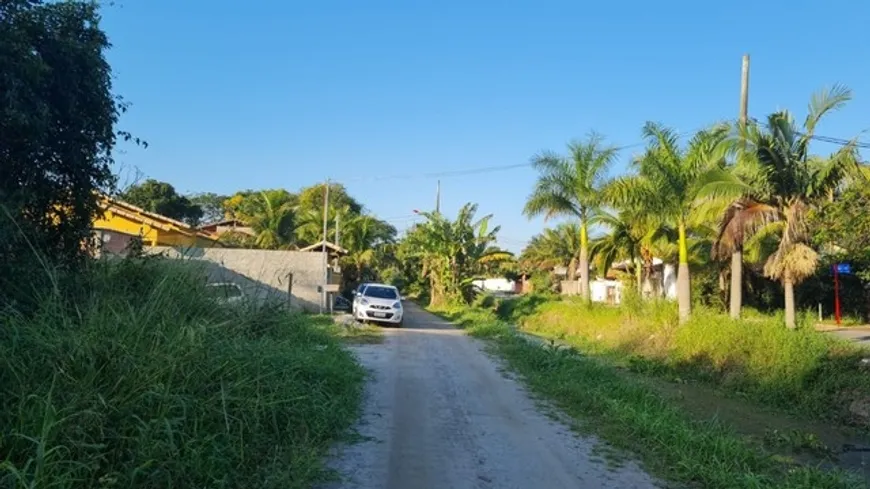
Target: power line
[(840, 141), (468, 171)]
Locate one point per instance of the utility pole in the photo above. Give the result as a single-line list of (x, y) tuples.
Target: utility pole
[(438, 198), (736, 302), (324, 295), (744, 91)]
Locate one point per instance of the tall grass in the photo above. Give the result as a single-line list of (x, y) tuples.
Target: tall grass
[(141, 381), (758, 357), (631, 416)]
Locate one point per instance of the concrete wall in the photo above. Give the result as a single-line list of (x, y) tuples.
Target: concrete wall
[(570, 287), (260, 273)]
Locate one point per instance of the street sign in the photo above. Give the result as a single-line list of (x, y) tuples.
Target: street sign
[(844, 268)]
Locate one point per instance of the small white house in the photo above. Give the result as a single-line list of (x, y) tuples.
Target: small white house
[(662, 283), (496, 285), (605, 290)]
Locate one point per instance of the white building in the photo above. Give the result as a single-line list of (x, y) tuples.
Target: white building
[(662, 283), (605, 290), (496, 285)]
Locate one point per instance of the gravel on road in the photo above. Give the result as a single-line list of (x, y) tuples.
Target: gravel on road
[(439, 414)]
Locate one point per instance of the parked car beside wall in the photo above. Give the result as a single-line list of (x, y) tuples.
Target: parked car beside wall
[(380, 303)]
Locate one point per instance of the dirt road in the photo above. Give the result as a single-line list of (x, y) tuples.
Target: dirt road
[(439, 414)]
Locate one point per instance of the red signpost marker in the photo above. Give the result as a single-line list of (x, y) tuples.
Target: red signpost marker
[(837, 293)]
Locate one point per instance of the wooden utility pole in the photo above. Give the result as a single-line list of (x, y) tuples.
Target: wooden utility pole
[(744, 91), (438, 197), (736, 302)]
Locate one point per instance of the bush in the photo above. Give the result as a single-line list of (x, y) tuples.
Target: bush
[(141, 381), (757, 356)]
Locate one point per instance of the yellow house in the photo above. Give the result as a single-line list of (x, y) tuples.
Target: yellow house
[(121, 219)]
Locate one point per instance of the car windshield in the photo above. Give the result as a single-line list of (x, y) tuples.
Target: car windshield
[(224, 290), (381, 292)]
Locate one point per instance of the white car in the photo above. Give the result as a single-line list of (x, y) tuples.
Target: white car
[(225, 292), (378, 302)]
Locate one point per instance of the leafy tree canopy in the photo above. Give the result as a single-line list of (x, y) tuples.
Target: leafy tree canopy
[(161, 198), (842, 226), (212, 205), (57, 118), (311, 198)]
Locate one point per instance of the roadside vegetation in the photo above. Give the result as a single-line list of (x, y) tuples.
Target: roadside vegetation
[(141, 380), (630, 415), (128, 373), (800, 371)]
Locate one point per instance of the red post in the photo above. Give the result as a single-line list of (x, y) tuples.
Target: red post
[(837, 293)]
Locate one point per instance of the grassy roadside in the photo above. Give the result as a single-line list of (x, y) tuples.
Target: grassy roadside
[(802, 372), (142, 381), (631, 416)]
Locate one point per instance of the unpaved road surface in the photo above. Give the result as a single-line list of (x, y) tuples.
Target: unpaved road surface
[(439, 414)]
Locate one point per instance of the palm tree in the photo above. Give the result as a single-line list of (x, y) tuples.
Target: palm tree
[(775, 186), (666, 185), (555, 247), (363, 235), (453, 253), (572, 187), (629, 238), (273, 223)]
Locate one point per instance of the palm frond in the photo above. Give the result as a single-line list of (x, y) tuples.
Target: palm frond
[(824, 101), (795, 263), (721, 184)]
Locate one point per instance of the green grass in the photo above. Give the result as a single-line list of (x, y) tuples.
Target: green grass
[(801, 371), (631, 416), (357, 334), (141, 381)]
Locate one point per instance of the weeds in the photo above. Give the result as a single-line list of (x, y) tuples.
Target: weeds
[(632, 417), (141, 381), (801, 371)]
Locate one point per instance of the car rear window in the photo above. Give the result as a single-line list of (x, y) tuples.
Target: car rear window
[(381, 292)]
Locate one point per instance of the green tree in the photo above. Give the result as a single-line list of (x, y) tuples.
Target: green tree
[(57, 118), (572, 187), (786, 181), (554, 247), (246, 204), (666, 184), (453, 253), (212, 206), (273, 221), (842, 226), (781, 182), (841, 230), (628, 239), (365, 237), (161, 198)]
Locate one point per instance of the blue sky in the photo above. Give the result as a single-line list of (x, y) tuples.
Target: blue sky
[(288, 93)]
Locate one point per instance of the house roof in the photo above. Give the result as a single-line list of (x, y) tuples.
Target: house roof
[(155, 220), (225, 222), (318, 246)]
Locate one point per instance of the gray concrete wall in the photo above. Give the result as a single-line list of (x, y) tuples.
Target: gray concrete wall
[(260, 273)]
